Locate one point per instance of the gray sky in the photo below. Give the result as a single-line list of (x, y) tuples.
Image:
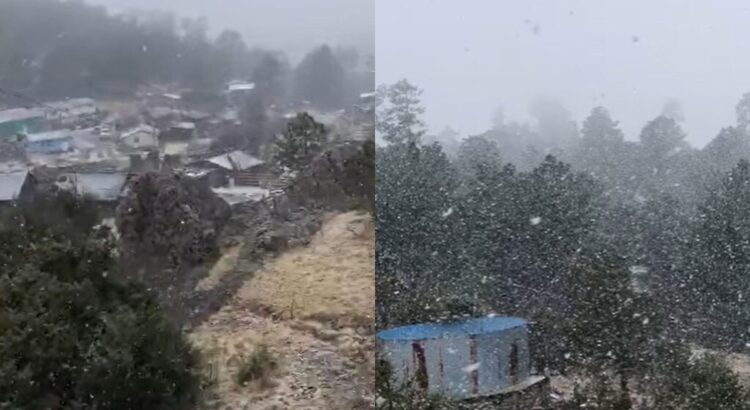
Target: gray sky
[(295, 26), (471, 56)]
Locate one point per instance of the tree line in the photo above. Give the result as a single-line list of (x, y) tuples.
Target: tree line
[(621, 254), (56, 49)]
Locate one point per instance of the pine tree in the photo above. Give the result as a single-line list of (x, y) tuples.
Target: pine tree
[(398, 119), (300, 142)]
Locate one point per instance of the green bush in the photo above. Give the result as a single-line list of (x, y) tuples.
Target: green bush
[(258, 367), (72, 335)]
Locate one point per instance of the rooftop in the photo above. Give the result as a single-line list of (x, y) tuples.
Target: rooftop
[(142, 128), (11, 184), (240, 86), (50, 135), (17, 114), (99, 186), (184, 125), (72, 103), (236, 159), (240, 194), (465, 328)]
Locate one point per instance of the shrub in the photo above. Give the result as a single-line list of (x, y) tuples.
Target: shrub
[(258, 367), (72, 335)]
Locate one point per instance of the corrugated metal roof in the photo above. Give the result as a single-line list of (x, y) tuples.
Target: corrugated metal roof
[(242, 87), (73, 103), (143, 128), (11, 184), (17, 114), (240, 159), (51, 135), (184, 125), (435, 330), (99, 186)]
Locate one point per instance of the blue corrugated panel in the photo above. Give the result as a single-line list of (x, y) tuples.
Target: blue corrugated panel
[(434, 330)]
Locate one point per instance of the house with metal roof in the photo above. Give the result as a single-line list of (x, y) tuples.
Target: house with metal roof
[(21, 121), (16, 185), (463, 360), (236, 168), (49, 142), (140, 137), (99, 186)]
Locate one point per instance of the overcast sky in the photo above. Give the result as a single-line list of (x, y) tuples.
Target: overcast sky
[(295, 26), (471, 56)]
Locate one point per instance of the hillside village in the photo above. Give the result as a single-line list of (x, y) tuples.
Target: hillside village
[(94, 148)]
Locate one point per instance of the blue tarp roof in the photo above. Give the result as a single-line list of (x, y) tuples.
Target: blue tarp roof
[(435, 330)]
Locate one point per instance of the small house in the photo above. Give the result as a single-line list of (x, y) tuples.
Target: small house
[(49, 142), (141, 137), (179, 131), (236, 168), (16, 185), (236, 90), (21, 121), (177, 139), (102, 187), (463, 360)]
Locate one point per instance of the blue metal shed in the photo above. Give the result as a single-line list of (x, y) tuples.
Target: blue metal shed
[(474, 358)]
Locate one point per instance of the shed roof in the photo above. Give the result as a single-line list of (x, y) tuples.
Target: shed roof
[(51, 135), (18, 114), (185, 125), (238, 158), (140, 129), (99, 186), (240, 86), (72, 103), (436, 330), (11, 184)]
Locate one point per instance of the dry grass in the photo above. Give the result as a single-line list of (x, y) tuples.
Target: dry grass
[(258, 368), (221, 268), (328, 287), (331, 280)]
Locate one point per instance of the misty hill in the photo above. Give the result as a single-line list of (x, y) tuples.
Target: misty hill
[(54, 49)]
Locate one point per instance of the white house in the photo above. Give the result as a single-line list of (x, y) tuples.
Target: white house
[(142, 136)]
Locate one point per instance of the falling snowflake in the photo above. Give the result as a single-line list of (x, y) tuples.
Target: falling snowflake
[(448, 212), (535, 220), (471, 368)]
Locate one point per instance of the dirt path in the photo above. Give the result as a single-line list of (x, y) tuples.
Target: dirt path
[(312, 307)]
